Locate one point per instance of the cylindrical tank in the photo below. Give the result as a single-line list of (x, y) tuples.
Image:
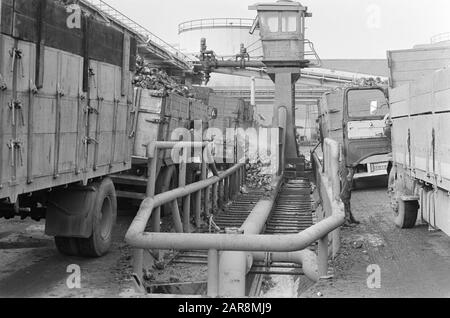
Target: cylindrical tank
[(224, 36)]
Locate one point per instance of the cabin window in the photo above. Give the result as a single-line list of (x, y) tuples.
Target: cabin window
[(289, 22), (271, 22), (367, 103)]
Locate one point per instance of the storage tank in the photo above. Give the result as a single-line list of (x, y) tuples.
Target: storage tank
[(224, 36)]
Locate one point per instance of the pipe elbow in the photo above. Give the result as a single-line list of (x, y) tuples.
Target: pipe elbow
[(140, 221)]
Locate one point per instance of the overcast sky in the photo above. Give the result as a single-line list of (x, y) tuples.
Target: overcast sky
[(339, 29)]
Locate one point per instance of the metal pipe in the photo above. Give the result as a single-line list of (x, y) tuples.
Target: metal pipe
[(149, 204), (176, 217), (257, 219), (306, 258), (153, 147), (232, 270), (253, 91), (213, 273), (234, 266), (136, 236)]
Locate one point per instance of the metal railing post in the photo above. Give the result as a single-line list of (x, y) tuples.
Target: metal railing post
[(213, 273), (220, 195), (181, 183), (215, 195), (323, 256), (204, 177), (187, 214), (226, 193), (176, 217), (198, 208)]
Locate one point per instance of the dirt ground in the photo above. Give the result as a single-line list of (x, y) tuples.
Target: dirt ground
[(30, 265), (412, 263)]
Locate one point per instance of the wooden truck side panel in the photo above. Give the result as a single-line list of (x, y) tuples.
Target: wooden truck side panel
[(59, 125), (421, 143), (331, 116), (409, 65), (158, 118), (421, 113)]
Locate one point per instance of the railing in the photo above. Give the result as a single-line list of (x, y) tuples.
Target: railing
[(238, 241), (214, 192), (328, 185), (147, 36), (311, 51), (442, 37), (215, 23)]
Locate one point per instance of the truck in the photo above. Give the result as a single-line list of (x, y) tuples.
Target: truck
[(72, 127), (419, 183), (65, 121), (355, 118), (160, 118)]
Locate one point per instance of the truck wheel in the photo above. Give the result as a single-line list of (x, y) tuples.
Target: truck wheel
[(67, 246), (407, 213), (104, 219)]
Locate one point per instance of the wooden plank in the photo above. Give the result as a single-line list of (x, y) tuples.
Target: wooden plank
[(125, 64), (442, 80), (7, 17), (412, 65), (427, 65), (420, 54), (399, 94)]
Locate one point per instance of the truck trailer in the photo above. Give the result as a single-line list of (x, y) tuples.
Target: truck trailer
[(71, 123), (420, 179)]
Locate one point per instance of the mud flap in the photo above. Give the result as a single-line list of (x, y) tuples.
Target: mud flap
[(70, 213)]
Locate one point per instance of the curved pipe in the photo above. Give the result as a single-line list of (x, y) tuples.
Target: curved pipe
[(148, 205), (137, 238)]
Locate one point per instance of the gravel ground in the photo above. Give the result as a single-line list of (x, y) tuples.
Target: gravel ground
[(412, 263)]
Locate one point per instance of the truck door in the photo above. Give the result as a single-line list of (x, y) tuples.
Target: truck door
[(364, 124)]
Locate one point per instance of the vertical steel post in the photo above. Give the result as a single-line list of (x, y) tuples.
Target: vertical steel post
[(213, 273), (204, 177), (232, 271), (253, 91), (323, 256), (138, 254), (187, 214), (215, 195), (182, 183), (226, 190), (198, 208), (221, 196), (176, 217)]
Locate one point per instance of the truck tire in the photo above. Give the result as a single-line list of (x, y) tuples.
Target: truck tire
[(67, 246), (407, 214), (104, 219)]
